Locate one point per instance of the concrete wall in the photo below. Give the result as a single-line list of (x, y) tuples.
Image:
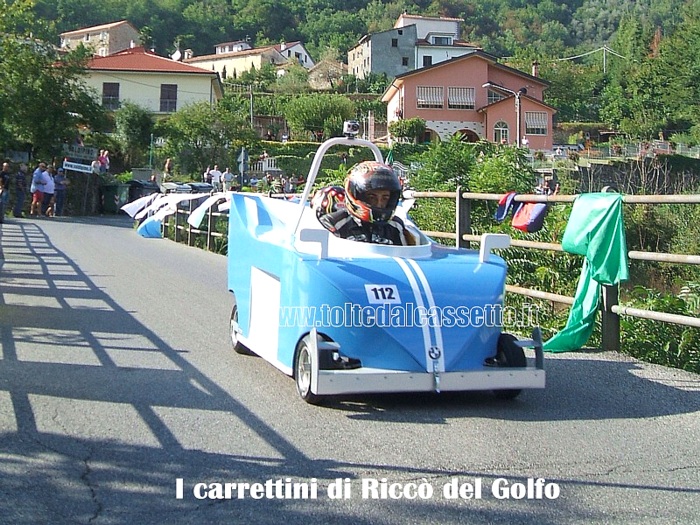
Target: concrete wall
[(143, 89), (234, 64), (105, 42), (377, 55)]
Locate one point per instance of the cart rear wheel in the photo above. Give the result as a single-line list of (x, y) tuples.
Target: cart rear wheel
[(234, 331), (509, 354), (302, 371)]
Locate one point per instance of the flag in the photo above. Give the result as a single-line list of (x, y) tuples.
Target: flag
[(390, 157)]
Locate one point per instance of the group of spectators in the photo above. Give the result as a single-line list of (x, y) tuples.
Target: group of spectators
[(220, 181), (100, 165), (47, 186)]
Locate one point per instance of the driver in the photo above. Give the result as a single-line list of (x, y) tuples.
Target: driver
[(372, 192)]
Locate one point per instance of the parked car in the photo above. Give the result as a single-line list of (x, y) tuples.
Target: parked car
[(347, 317)]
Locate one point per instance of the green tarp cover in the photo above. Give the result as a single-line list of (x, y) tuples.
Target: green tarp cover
[(596, 231)]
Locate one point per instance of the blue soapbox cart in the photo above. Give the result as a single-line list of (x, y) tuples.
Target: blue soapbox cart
[(347, 317)]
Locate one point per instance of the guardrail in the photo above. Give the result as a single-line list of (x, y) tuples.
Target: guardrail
[(184, 232), (611, 310)]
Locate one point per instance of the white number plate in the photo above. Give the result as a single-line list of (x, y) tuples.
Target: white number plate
[(382, 293)]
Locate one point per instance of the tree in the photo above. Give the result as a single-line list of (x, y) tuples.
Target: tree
[(678, 67), (319, 114), (294, 80), (411, 128), (200, 135), (42, 94), (262, 78), (134, 126), (475, 167)]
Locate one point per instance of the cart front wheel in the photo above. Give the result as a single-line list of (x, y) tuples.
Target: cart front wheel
[(302, 372), (509, 354), (234, 331)]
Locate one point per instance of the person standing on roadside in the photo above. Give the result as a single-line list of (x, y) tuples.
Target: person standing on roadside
[(49, 188), (168, 169), (60, 189), (95, 166), (4, 189), (216, 177), (37, 189), (227, 179), (20, 190), (104, 161)]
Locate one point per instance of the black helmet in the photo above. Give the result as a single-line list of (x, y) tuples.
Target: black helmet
[(367, 176)]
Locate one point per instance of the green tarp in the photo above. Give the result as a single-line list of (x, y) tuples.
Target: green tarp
[(596, 231)]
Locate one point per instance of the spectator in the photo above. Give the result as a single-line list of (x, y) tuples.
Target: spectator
[(168, 168), (60, 189), (216, 177), (20, 190), (37, 189), (95, 166), (104, 161), (4, 189), (227, 178), (49, 189)]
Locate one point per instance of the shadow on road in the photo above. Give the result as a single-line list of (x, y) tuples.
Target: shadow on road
[(73, 345)]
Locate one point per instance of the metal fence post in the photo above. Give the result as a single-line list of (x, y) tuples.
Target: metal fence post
[(610, 322), (177, 223), (190, 239), (210, 228), (463, 224)]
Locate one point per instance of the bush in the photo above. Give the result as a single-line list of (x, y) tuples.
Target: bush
[(658, 342)]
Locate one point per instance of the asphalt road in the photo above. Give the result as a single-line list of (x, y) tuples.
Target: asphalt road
[(117, 380)]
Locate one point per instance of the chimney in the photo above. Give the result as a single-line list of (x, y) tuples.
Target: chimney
[(283, 46), (188, 54), (535, 68)]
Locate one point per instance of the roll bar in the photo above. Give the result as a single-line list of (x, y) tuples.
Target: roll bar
[(316, 164)]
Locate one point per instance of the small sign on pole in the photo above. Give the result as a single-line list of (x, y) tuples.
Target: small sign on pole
[(80, 152), (75, 166)]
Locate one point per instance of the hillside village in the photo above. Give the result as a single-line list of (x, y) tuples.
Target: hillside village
[(453, 85)]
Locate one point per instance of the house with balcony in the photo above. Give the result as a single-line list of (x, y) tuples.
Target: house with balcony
[(105, 39), (414, 41), (157, 84), (475, 97)]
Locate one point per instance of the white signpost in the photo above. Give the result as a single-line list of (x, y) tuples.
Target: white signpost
[(74, 166)]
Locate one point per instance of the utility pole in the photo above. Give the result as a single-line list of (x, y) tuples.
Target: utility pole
[(150, 153), (250, 90)]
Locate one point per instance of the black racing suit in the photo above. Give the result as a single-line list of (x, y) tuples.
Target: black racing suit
[(341, 224)]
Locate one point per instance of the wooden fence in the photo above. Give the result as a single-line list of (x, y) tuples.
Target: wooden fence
[(611, 310)]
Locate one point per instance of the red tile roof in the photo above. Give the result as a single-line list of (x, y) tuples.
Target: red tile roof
[(138, 59)]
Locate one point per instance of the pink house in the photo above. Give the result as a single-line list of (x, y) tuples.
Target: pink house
[(477, 98)]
